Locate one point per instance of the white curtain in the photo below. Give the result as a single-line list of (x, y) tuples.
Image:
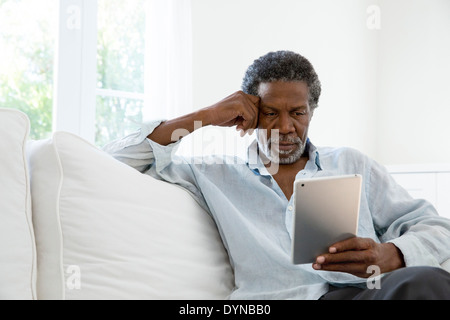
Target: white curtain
[(168, 83)]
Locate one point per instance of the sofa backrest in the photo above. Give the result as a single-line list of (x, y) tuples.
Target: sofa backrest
[(105, 231), (17, 249)]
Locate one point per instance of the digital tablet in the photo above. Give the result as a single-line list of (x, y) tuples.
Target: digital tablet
[(326, 210)]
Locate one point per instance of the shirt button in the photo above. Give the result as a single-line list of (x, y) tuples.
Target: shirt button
[(290, 208)]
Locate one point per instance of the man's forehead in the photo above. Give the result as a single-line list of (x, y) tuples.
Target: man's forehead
[(294, 91)]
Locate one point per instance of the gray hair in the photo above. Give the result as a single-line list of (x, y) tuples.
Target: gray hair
[(282, 66)]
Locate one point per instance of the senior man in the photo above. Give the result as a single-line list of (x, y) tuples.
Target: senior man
[(251, 201)]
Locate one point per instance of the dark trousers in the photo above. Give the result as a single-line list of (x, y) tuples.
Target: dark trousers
[(412, 283)]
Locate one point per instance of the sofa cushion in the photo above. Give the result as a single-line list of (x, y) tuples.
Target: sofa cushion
[(105, 231), (17, 251)]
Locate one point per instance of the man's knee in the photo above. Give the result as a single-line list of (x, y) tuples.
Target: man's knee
[(416, 283)]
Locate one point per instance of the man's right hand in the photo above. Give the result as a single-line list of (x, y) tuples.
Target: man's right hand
[(238, 109)]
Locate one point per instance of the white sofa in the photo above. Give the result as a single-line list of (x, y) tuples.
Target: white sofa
[(78, 224)]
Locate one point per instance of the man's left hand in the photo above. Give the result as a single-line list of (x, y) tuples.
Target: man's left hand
[(355, 255)]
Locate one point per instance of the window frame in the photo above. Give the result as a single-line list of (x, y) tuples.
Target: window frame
[(75, 75)]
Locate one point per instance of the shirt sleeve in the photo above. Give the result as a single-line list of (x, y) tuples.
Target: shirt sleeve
[(413, 225), (135, 149), (158, 161)]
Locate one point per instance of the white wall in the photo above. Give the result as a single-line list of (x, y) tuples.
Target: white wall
[(229, 35), (414, 82), (364, 73)]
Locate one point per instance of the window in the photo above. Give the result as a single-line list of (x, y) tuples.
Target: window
[(120, 68), (100, 68), (27, 44), (84, 66)]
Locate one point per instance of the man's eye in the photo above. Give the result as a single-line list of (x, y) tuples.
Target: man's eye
[(269, 114)]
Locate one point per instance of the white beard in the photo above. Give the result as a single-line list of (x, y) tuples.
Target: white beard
[(270, 148)]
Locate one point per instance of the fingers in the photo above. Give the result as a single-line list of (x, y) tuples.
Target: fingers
[(254, 99), (238, 109), (344, 257), (354, 264), (352, 255), (248, 119), (351, 244)]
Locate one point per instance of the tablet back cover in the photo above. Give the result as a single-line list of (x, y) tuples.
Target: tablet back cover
[(326, 211)]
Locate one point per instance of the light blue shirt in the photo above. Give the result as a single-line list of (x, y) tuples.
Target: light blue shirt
[(254, 218)]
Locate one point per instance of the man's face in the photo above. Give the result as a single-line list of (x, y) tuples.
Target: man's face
[(284, 114)]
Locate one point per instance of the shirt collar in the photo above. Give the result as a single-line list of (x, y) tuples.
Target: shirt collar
[(255, 163)]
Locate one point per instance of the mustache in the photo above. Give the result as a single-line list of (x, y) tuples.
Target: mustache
[(285, 139)]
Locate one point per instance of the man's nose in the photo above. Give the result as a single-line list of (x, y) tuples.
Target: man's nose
[(285, 124)]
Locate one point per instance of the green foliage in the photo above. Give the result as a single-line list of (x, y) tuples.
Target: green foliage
[(26, 64), (120, 66), (27, 51), (121, 45)]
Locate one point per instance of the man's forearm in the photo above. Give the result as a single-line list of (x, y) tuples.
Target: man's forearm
[(238, 109), (173, 130)]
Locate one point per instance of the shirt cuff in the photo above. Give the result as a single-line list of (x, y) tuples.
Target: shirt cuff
[(139, 152), (164, 155), (414, 253), (133, 139)]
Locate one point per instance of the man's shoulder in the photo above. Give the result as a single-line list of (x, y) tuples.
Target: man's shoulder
[(347, 158), (333, 152)]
